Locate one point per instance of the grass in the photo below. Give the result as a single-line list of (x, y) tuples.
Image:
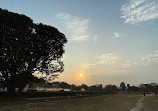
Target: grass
[(150, 103), (119, 102)]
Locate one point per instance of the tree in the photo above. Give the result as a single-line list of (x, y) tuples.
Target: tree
[(74, 87), (26, 47), (134, 89), (111, 89), (128, 88), (84, 86), (148, 87), (64, 85), (123, 86), (96, 88)]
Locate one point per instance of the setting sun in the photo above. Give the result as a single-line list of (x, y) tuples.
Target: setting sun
[(81, 75)]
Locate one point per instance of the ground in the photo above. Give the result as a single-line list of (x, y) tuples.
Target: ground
[(118, 102), (150, 103)]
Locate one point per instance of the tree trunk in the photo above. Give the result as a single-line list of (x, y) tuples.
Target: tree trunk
[(21, 87), (11, 87), (11, 91)]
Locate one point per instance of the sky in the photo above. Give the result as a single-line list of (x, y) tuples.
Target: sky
[(109, 41)]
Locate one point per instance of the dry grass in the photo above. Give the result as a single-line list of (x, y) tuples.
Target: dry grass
[(150, 103), (119, 102)]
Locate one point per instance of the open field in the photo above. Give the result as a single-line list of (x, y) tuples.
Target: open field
[(119, 102), (150, 103)]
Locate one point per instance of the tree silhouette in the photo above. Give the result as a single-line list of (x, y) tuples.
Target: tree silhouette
[(84, 86), (122, 86), (111, 89), (64, 85), (134, 89), (97, 87), (128, 88), (26, 47)]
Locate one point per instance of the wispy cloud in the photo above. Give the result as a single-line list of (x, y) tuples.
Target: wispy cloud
[(102, 59), (95, 39), (86, 65), (137, 11), (150, 58), (117, 35), (76, 27), (107, 59), (144, 60), (128, 64), (114, 64)]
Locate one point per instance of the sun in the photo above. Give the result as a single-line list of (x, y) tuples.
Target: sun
[(81, 75)]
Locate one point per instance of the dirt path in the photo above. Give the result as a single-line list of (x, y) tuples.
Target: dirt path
[(138, 105)]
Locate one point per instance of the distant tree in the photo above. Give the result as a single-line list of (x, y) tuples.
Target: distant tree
[(93, 88), (37, 83), (128, 88), (26, 47), (156, 89), (111, 89), (84, 86), (96, 88), (142, 87), (134, 89), (123, 86), (76, 88), (148, 87), (64, 85), (73, 87)]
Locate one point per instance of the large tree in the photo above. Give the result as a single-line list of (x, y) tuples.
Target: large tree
[(111, 89), (123, 86), (26, 47)]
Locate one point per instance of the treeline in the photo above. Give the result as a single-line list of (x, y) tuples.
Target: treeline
[(125, 88), (74, 88), (63, 86), (146, 88), (67, 90)]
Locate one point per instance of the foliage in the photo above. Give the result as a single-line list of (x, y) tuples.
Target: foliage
[(123, 86), (153, 87), (111, 89), (26, 47), (84, 86), (96, 88), (128, 88)]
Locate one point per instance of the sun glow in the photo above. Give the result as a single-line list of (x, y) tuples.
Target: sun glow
[(81, 75)]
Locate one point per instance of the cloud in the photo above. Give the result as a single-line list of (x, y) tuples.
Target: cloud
[(129, 64), (107, 59), (137, 11), (86, 65), (102, 59), (144, 60), (95, 39), (112, 61), (75, 27), (117, 35), (150, 58)]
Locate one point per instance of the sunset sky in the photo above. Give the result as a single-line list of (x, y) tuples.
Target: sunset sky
[(109, 41)]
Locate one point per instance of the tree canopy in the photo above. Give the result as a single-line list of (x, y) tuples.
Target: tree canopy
[(26, 47), (122, 86)]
